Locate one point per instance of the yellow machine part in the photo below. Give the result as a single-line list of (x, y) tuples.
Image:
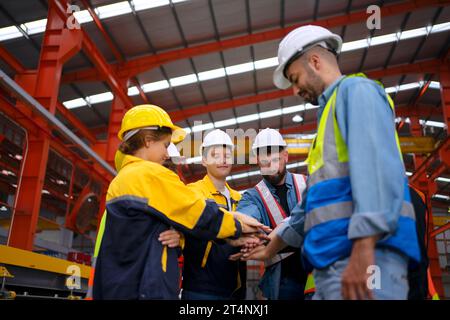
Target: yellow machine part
[(43, 224), (32, 260), (441, 220), (4, 273)]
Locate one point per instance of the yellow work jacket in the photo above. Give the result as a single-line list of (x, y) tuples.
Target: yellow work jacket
[(207, 268), (143, 200)]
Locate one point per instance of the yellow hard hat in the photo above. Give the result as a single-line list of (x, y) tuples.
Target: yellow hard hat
[(148, 115), (118, 159)]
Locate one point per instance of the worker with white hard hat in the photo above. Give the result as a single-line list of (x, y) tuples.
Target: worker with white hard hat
[(208, 273), (358, 210), (272, 201)]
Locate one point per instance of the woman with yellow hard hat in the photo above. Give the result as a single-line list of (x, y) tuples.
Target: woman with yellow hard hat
[(144, 200)]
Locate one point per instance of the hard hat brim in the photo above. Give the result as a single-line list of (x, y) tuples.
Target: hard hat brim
[(178, 134), (333, 41), (279, 79)]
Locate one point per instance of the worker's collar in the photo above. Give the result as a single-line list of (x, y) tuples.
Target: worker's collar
[(129, 159), (323, 98), (212, 188), (289, 182)]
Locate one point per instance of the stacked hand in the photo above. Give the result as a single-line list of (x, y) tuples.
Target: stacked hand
[(253, 234), (246, 241), (264, 250), (251, 225)]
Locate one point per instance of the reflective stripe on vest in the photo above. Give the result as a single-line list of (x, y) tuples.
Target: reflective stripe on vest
[(273, 208), (329, 205), (344, 210), (275, 211)]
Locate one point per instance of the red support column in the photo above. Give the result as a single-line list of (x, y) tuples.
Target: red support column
[(444, 78), (59, 44), (118, 110), (416, 131), (433, 255)]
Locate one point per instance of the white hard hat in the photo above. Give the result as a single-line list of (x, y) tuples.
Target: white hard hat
[(298, 40), (173, 151), (217, 137), (268, 138)]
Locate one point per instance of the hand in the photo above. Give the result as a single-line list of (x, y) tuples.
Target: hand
[(249, 224), (247, 240), (354, 277), (170, 238), (236, 256), (258, 253)]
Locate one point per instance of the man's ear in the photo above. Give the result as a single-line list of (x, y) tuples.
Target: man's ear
[(314, 61)]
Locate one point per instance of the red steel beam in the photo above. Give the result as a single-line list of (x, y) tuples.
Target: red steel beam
[(419, 110), (20, 69), (305, 127), (444, 78), (415, 126), (233, 103), (111, 44), (76, 123), (441, 229), (105, 35), (142, 64), (11, 60), (91, 50), (26, 120), (428, 66)]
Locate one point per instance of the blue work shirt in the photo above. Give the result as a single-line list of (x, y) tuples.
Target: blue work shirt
[(377, 173), (251, 204)]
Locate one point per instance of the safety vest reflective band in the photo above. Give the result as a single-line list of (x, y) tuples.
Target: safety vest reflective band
[(344, 210), (273, 208), (329, 205), (275, 211)]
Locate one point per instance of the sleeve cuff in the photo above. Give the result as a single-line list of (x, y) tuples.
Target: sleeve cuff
[(368, 224), (238, 229), (289, 235)]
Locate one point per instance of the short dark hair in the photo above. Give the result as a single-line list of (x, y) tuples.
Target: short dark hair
[(298, 54)]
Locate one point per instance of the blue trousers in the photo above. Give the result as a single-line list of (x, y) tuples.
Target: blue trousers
[(291, 289), (392, 282)]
